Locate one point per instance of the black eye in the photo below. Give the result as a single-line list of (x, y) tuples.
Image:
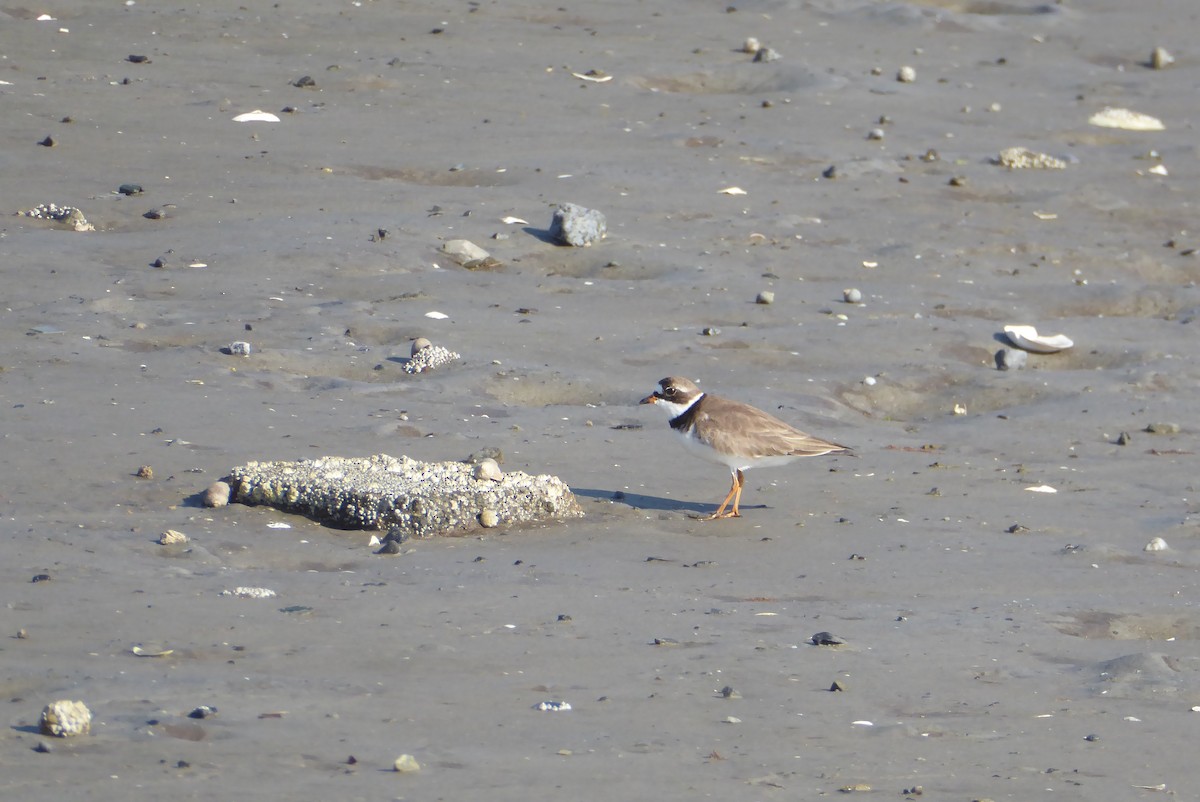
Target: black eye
[(669, 391)]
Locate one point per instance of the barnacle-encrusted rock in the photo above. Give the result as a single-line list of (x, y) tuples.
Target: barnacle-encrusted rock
[(421, 499), (1026, 159), (65, 718), (576, 226)]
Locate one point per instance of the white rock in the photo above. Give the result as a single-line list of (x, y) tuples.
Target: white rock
[(406, 764), (65, 718), (1156, 544)]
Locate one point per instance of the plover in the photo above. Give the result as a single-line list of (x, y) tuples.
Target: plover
[(733, 434)]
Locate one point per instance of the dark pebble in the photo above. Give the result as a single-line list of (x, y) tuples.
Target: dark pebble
[(159, 262), (155, 214), (305, 82), (40, 578), (130, 189), (42, 747), (830, 172), (1124, 439), (48, 142), (133, 59), (837, 686), (826, 639), (1011, 359), (203, 711)]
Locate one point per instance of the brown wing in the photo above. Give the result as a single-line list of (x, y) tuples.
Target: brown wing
[(750, 432)]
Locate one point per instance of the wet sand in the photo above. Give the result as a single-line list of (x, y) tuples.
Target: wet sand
[(1003, 644)]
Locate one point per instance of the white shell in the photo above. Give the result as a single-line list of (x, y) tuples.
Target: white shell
[(1041, 489), (436, 315), (1027, 337), (1157, 544), (256, 116), (1126, 120), (732, 191)]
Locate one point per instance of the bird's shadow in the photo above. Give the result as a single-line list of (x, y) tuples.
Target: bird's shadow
[(639, 501)]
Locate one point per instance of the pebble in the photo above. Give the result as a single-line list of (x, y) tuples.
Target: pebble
[(130, 189), (1160, 59), (418, 344), (488, 518), (155, 214), (826, 639), (766, 54), (464, 251), (203, 711), (576, 226), (491, 452), (875, 134), (1011, 359), (728, 692), (710, 331), (238, 348), (751, 45), (1124, 439), (406, 764), (65, 718), (144, 472), (1156, 544), (852, 296), (906, 75), (172, 537), (1163, 428), (765, 297), (488, 469), (48, 142), (837, 686), (217, 494)]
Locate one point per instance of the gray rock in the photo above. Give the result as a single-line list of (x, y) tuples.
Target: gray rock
[(217, 495), (421, 499), (1011, 359), (576, 226), (464, 251), (65, 718)]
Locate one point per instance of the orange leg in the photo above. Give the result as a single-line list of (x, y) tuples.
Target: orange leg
[(735, 494)]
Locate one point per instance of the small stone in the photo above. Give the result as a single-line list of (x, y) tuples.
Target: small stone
[(1156, 544), (826, 639), (464, 251), (1163, 428), (159, 263), (751, 45), (765, 297), (837, 686), (852, 296), (172, 537), (731, 720), (155, 214), (1124, 439), (491, 453), (418, 344), (1025, 159), (1011, 359), (830, 172), (22, 634), (875, 134), (43, 748), (203, 711), (389, 547), (137, 59), (488, 469), (728, 692), (488, 518), (406, 764), (958, 181), (65, 718), (906, 75), (1160, 59), (217, 495), (130, 189), (237, 348), (40, 578), (710, 331), (48, 142), (145, 472), (304, 82), (576, 226), (765, 54)]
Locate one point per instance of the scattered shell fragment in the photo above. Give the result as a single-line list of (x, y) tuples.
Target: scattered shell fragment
[(249, 593), (406, 764), (595, 76), (436, 315), (1027, 337), (731, 191), (256, 116), (142, 652), (216, 495), (1158, 169), (1160, 58), (488, 518), (65, 718), (906, 75), (552, 707), (1126, 120), (1041, 489), (850, 789), (172, 537), (1156, 544), (1026, 159), (514, 221)]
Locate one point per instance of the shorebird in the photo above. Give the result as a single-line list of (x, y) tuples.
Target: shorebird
[(733, 434)]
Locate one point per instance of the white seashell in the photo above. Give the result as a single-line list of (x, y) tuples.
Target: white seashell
[(514, 221), (863, 723), (1158, 169), (732, 191), (249, 593), (1027, 338), (1156, 544), (1041, 489), (595, 76), (437, 315), (278, 525), (256, 116), (140, 652), (172, 537), (1126, 120)]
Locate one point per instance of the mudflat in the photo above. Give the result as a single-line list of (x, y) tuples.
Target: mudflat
[(996, 643)]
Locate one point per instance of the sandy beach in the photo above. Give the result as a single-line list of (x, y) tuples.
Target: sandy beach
[(1005, 634)]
